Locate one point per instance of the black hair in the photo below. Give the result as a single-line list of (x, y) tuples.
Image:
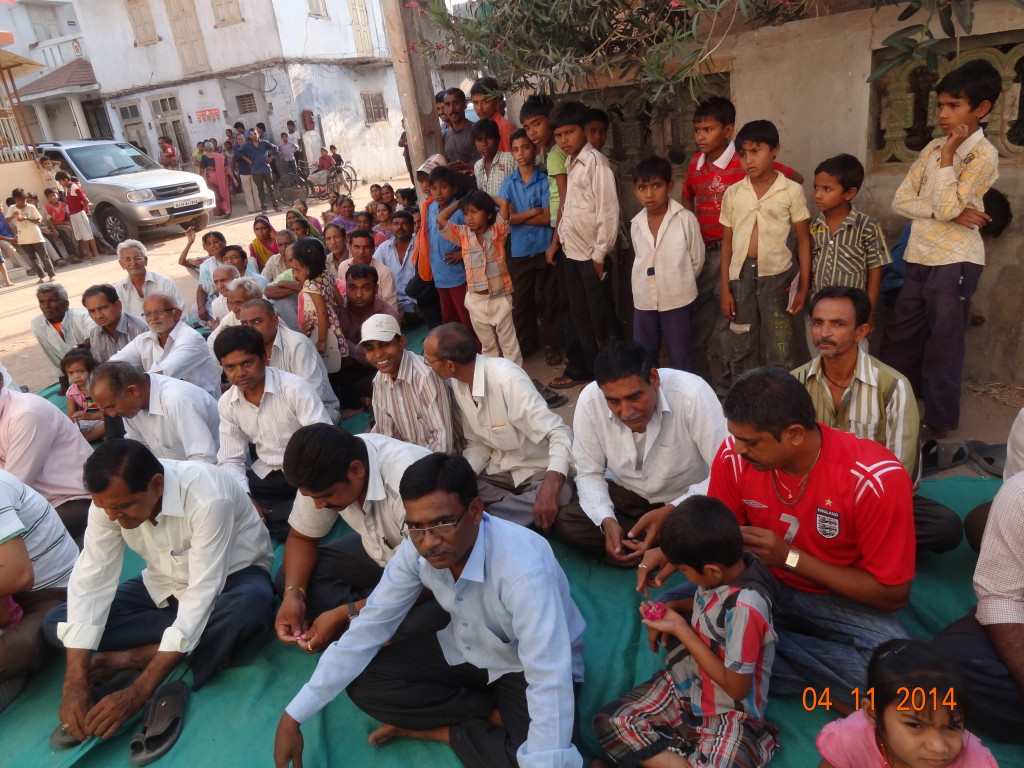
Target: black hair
[(486, 128), (107, 291), (485, 86), (518, 133), (701, 531), (976, 81), (847, 170), (127, 459), (384, 186), (77, 355), (406, 193), (455, 342), (997, 205), (401, 213), (311, 254), (235, 249), (240, 124), (860, 299), (62, 176), (482, 202), (262, 126), (758, 132), (439, 97), (361, 234), (118, 376), (717, 108), (912, 664), (362, 272), (319, 455), (18, 192), (621, 360), (595, 115), (568, 113), (261, 303), (444, 174), (332, 225), (439, 472), (386, 204), (653, 168), (49, 190), (355, 217), (215, 235), (455, 92), (378, 186), (537, 104), (769, 400), (239, 338)]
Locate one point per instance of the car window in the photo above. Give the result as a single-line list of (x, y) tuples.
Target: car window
[(104, 160)]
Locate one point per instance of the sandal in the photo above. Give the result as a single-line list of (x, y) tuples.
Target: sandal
[(989, 458), (161, 724), (566, 382), (938, 457), (552, 356)]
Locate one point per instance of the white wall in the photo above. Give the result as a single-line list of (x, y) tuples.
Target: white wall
[(305, 36)]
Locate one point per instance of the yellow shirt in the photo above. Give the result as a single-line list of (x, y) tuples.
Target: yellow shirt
[(774, 213)]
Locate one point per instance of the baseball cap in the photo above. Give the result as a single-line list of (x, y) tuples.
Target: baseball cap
[(380, 328), (434, 161)]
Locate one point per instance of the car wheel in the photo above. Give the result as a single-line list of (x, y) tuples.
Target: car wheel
[(199, 222), (114, 226)]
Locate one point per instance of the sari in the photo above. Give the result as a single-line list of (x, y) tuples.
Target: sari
[(219, 180), (260, 250), (313, 231)]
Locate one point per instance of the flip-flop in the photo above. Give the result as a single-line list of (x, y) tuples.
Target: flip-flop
[(566, 382), (60, 738), (162, 719), (989, 458), (552, 356), (557, 401), (937, 457)]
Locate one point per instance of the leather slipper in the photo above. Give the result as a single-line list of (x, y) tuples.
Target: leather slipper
[(937, 457), (60, 738), (990, 458), (162, 720), (567, 382)]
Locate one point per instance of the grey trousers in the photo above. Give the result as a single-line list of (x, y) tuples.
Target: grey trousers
[(762, 331), (504, 499)]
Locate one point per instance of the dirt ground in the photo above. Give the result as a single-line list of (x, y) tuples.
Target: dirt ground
[(988, 408)]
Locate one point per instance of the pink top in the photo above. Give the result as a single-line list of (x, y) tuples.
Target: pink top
[(850, 743)]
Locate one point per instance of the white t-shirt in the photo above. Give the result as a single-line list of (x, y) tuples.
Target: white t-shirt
[(28, 227), (25, 513)]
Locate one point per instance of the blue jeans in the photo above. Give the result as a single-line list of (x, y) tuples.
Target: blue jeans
[(244, 607)]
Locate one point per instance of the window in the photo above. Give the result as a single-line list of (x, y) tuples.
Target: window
[(44, 23), (141, 19), (188, 37), (360, 27), (129, 112), (226, 12), (318, 8), (246, 103), (373, 107)]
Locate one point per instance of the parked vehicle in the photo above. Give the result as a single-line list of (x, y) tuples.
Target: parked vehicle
[(130, 191)]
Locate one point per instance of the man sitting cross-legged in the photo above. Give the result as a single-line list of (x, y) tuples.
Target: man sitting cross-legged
[(644, 440), (521, 450), (498, 683), (206, 587)]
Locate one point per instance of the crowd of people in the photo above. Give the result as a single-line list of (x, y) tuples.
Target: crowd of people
[(784, 495)]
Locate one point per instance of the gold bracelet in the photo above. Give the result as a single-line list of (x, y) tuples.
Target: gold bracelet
[(301, 590)]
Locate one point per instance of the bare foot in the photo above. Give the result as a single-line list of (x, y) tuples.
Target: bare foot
[(386, 733), (104, 666)]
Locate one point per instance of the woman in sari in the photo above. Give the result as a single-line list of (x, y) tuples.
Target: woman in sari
[(264, 245), (218, 173), (301, 207), (300, 225)]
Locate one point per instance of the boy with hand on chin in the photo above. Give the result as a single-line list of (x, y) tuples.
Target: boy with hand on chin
[(757, 268)]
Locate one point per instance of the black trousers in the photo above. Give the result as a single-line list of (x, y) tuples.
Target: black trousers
[(410, 685), (274, 493), (937, 527), (591, 310), (535, 302), (575, 528)]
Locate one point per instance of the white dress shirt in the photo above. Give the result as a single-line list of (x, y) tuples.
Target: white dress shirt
[(42, 447), (25, 513), (590, 211), (680, 443), (379, 520), (180, 423), (207, 529), (415, 406), (999, 575), (131, 302), (9, 382), (507, 425), (184, 356), (511, 612), (665, 272), (226, 321), (295, 353), (75, 328), (288, 403)]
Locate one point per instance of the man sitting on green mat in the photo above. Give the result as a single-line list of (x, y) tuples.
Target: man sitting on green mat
[(498, 683)]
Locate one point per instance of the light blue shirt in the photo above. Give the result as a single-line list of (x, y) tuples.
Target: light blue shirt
[(403, 271), (528, 239), (511, 612), (445, 275)]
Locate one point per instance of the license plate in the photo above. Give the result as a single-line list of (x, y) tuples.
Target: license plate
[(186, 203)]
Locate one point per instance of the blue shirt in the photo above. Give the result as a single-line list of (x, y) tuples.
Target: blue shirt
[(445, 275), (511, 612), (403, 271), (528, 239), (259, 155), (4, 229)]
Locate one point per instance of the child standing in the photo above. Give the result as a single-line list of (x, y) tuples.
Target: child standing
[(669, 256), (319, 310), (76, 366), (707, 706), (757, 267), (494, 166), (445, 257), (888, 730), (30, 237), (488, 284), (942, 195), (57, 210), (78, 208), (596, 128)]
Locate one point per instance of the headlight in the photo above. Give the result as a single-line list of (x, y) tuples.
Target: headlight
[(140, 195)]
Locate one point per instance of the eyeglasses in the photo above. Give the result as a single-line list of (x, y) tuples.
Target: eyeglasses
[(130, 259), (156, 313), (441, 529)]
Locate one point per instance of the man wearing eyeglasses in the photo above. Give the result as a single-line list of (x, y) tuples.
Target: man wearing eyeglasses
[(140, 282), (497, 683), (171, 347), (324, 586)]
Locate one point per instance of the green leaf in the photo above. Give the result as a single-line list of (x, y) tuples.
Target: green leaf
[(910, 10), (888, 67), (932, 61), (946, 20), (892, 40), (964, 10)]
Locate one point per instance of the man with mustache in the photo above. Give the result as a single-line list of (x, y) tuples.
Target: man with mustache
[(857, 393), (497, 684)]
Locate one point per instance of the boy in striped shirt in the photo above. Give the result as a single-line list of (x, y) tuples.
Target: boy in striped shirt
[(707, 705)]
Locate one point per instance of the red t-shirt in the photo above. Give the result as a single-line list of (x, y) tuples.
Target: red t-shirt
[(76, 199), (856, 511), (706, 184), (58, 212)]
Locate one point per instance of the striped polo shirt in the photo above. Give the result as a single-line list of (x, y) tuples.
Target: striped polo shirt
[(25, 513)]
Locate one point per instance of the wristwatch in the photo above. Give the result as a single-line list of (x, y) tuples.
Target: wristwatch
[(792, 559), (352, 611)]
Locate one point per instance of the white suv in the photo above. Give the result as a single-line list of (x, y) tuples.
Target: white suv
[(128, 190)]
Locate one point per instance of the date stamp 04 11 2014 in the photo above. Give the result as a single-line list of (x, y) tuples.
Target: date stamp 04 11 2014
[(908, 699)]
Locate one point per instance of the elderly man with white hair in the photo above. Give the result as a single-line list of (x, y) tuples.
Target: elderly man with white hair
[(240, 290), (140, 282)]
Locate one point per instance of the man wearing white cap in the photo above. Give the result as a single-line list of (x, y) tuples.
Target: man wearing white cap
[(410, 401)]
